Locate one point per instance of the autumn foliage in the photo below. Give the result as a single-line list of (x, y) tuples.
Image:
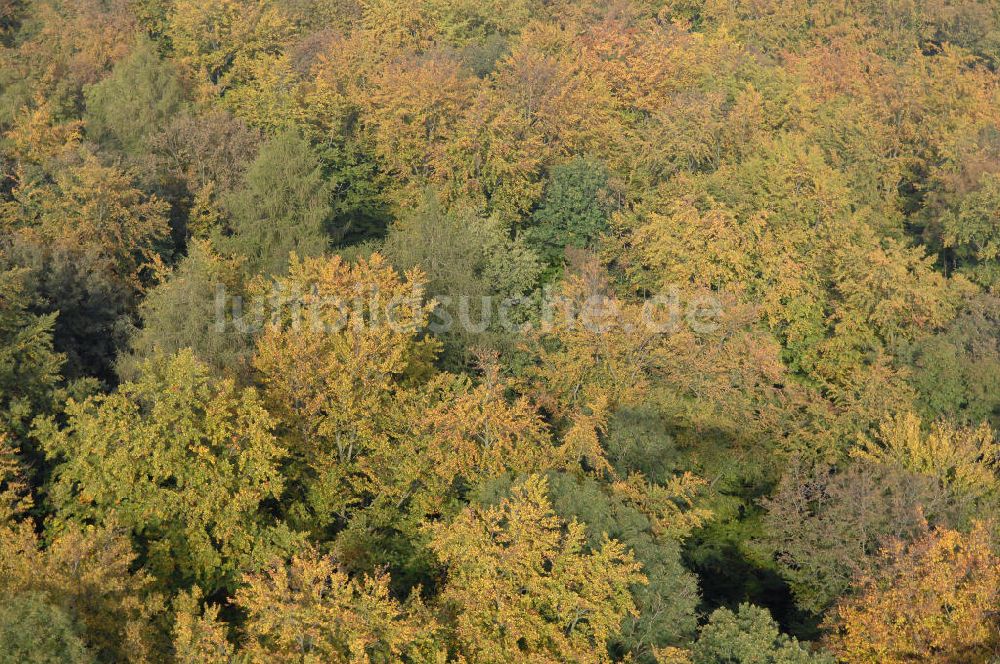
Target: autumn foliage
[(475, 331)]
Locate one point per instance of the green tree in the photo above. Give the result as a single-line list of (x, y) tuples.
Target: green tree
[(972, 232), (33, 631), (140, 96), (283, 206), (749, 636), (574, 210), (29, 367), (87, 304), (956, 371), (472, 268), (191, 309)]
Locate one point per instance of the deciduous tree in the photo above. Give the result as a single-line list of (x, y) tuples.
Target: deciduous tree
[(181, 459)]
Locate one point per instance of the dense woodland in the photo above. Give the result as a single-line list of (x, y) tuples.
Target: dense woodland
[(810, 476)]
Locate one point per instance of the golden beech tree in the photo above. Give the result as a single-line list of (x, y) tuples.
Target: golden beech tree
[(99, 208), (594, 356), (693, 353), (932, 601), (86, 572), (180, 458), (333, 364), (965, 460), (477, 434), (70, 45), (342, 337), (522, 587), (214, 38), (393, 26), (198, 637), (414, 106), (671, 508), (367, 419), (40, 144), (539, 108), (310, 611), (268, 94)]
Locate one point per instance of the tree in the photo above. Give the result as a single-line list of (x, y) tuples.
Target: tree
[(574, 210), (972, 232), (181, 459), (826, 526), (85, 579), (473, 19), (594, 354), (211, 38), (198, 637), (521, 586), (333, 356), (191, 309), (956, 372), (99, 208), (783, 229), (667, 603), (474, 272), (131, 105), (15, 494), (88, 304), (283, 206), (29, 366), (415, 105), (310, 611), (36, 632), (209, 149), (749, 636), (962, 460), (933, 600)]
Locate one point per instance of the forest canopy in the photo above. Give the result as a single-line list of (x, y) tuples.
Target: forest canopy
[(653, 331)]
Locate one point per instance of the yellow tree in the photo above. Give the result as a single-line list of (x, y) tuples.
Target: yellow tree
[(414, 107), (540, 107), (182, 459), (99, 208), (70, 45), (693, 353), (332, 364), (198, 637), (963, 459), (214, 38), (15, 496), (309, 611), (521, 586), (933, 601), (476, 434), (86, 572), (594, 355)]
